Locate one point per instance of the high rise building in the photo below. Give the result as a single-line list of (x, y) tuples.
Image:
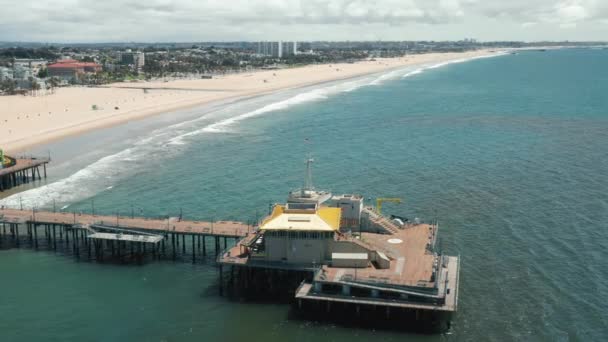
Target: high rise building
[(289, 48), (137, 59), (277, 49)]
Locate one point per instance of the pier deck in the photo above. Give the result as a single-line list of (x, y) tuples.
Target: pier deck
[(220, 228), (22, 171), (411, 263)]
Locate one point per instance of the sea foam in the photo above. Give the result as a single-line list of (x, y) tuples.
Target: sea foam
[(446, 63)]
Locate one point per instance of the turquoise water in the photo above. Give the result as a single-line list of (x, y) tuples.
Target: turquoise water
[(508, 152)]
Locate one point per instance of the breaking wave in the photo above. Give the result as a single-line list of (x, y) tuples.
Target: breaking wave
[(454, 61), (317, 94)]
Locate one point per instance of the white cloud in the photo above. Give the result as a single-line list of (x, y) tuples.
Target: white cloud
[(571, 12), (182, 20)]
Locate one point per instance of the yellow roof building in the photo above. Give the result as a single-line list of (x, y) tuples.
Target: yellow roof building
[(323, 219)]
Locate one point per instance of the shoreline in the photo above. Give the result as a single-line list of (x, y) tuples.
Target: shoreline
[(25, 123)]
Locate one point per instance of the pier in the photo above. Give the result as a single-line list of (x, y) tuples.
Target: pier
[(325, 253), (336, 257), (123, 239), (22, 171)]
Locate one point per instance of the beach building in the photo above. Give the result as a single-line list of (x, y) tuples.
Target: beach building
[(30, 63), (21, 72), (298, 233), (33, 65), (6, 73), (69, 69), (22, 75)]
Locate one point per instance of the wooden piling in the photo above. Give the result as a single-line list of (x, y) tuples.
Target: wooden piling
[(193, 251), (173, 243), (221, 282), (35, 227)]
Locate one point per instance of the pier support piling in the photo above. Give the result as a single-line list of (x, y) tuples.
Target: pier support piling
[(221, 282), (193, 251), (204, 247)]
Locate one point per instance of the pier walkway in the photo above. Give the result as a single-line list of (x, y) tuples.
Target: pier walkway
[(230, 229), (122, 238), (22, 170)]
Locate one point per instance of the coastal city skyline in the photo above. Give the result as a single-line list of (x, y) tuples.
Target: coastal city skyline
[(179, 21), (41, 68)]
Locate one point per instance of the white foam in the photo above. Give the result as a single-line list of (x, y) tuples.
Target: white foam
[(385, 77), (91, 179), (446, 63), (347, 87), (412, 73), (223, 125)]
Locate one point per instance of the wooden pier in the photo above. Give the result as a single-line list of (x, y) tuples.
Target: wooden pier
[(122, 238), (22, 171)]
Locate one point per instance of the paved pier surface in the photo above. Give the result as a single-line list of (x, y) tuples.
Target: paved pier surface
[(22, 164), (172, 225), (21, 171), (411, 261)]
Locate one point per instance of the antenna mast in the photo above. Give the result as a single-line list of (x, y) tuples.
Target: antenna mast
[(308, 181)]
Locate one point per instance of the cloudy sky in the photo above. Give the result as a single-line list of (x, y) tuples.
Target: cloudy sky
[(229, 20)]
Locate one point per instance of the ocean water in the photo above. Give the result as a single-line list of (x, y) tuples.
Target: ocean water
[(509, 152)]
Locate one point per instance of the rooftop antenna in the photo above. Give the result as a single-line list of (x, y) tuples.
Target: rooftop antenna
[(308, 181)]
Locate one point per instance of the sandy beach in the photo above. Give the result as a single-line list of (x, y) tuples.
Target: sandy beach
[(26, 121)]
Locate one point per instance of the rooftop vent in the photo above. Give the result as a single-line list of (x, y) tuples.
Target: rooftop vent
[(298, 219)]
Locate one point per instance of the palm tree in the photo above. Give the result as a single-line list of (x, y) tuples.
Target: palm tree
[(32, 84), (36, 86), (54, 82)]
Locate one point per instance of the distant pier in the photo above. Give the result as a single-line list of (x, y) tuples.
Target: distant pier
[(22, 171)]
